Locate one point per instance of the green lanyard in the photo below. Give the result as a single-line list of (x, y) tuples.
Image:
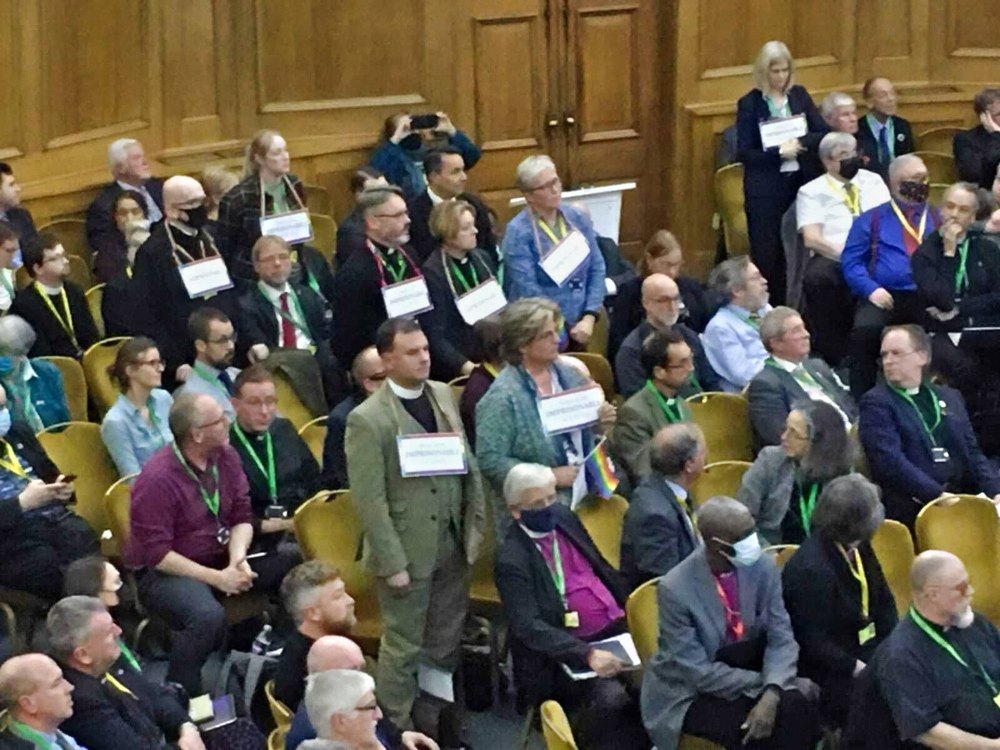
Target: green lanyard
[(31, 735), (154, 421), (558, 578), (459, 275), (785, 110), (7, 285), (129, 656), (806, 507), (950, 650), (212, 501), (929, 429), (298, 322), (751, 319), (961, 274), (800, 373), (269, 473), (211, 379), (671, 408), (399, 271)]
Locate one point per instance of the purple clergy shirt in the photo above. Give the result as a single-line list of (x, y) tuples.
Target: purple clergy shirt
[(586, 593), (169, 514), (731, 586)]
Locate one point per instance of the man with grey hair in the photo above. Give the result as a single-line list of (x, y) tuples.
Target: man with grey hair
[(560, 595), (341, 705), (659, 527), (731, 338), (825, 209), (34, 386), (116, 705), (876, 264), (38, 700), (130, 171)]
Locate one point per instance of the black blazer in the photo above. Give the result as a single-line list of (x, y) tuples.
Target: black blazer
[(101, 221), (259, 322), (869, 144), (350, 237), (117, 307), (655, 536), (773, 391), (934, 275), (977, 154), (424, 243), (628, 312), (313, 264), (539, 641), (824, 603), (453, 342), (616, 267), (21, 221), (104, 718), (760, 167), (52, 338)]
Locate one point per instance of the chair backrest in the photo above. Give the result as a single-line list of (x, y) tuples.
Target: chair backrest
[(893, 547), (600, 371), (118, 507), (313, 433), (72, 235), (603, 520), (95, 297), (457, 386), (279, 711), (289, 404), (781, 553), (482, 587), (77, 448), (937, 139), (318, 199), (74, 386), (729, 204), (276, 739), (555, 728), (796, 257), (95, 361), (643, 615), (940, 166), (966, 527), (725, 420), (79, 272), (719, 478), (598, 343), (936, 195), (324, 235)]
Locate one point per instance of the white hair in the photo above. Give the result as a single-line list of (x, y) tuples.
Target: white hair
[(832, 141), (769, 53), (899, 163), (118, 152), (16, 336), (69, 622), (530, 168), (333, 692), (525, 477), (832, 101)]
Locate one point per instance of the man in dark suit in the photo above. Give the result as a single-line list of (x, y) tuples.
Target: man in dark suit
[(11, 210), (917, 436), (790, 375), (445, 171), (560, 595), (659, 528), (977, 151), (130, 170), (113, 706), (882, 134)]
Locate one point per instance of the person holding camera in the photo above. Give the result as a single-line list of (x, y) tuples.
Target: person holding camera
[(406, 141)]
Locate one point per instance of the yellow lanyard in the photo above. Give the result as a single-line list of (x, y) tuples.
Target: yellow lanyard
[(917, 234), (548, 230), (108, 677), (852, 197), (491, 369), (858, 571), (10, 462), (66, 323)]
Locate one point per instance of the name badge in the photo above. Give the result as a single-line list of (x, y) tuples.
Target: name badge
[(866, 634), (293, 227), (940, 455), (566, 257), (571, 619), (570, 410), (431, 454), (205, 277), (481, 301), (775, 132), (406, 298)]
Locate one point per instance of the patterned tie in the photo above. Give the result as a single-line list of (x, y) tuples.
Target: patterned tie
[(883, 144), (287, 329)]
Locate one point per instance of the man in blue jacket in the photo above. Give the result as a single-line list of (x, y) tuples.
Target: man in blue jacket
[(876, 264)]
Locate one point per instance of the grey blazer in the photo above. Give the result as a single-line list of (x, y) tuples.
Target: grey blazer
[(692, 628), (766, 489)]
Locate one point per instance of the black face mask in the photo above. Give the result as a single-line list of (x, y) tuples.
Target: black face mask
[(849, 167), (915, 192), (196, 217), (411, 142)]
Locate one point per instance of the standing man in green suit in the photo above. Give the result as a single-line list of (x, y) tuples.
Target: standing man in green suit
[(417, 491)]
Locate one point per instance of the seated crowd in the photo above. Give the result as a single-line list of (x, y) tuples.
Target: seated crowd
[(222, 306)]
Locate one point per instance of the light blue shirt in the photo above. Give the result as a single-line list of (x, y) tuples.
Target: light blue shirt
[(733, 347), (199, 385), (130, 439)]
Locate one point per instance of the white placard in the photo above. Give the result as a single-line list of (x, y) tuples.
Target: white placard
[(775, 132), (570, 410), (603, 201), (481, 301), (407, 298), (293, 227), (566, 257), (206, 276), (429, 454), (436, 681)]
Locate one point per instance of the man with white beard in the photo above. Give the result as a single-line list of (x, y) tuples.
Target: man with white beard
[(939, 671)]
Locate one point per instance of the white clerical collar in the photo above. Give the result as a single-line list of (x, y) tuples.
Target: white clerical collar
[(533, 534), (435, 198), (52, 290), (405, 393), (913, 391)]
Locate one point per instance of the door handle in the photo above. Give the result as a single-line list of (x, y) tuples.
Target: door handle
[(570, 120), (552, 123)]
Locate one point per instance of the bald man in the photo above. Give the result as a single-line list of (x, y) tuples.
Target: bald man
[(160, 296), (338, 652), (939, 670), (729, 675), (661, 299), (38, 699)]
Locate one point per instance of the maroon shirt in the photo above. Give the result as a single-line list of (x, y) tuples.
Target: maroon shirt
[(169, 514)]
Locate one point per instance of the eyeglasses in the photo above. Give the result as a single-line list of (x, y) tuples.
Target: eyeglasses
[(268, 402), (369, 707), (223, 340), (397, 215), (685, 364), (279, 258), (554, 184), (156, 364), (959, 588), (893, 355), (213, 423)]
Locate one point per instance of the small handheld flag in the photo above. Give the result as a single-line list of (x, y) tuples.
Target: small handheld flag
[(563, 336), (601, 477)]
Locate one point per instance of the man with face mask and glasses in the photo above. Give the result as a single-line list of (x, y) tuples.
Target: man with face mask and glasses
[(728, 673), (876, 264), (825, 209)]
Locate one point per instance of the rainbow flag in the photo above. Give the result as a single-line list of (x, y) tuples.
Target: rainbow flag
[(563, 335), (601, 477)]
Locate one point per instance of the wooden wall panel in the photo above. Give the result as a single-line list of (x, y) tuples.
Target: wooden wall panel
[(11, 128), (968, 41)]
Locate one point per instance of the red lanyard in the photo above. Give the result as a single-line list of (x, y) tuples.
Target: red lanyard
[(380, 264), (734, 623)]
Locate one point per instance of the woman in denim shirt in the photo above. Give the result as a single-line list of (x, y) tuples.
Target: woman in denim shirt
[(138, 423)]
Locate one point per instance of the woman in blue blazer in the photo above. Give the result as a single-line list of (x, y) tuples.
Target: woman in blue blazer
[(772, 177)]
